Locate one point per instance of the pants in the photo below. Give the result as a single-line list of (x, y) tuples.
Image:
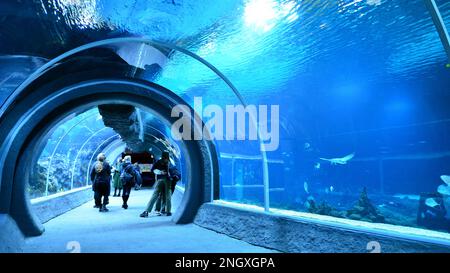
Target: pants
[(163, 187), (126, 193), (101, 190), (115, 191), (161, 201), (126, 190)]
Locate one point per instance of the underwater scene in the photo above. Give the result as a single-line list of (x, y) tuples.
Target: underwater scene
[(365, 122), (363, 88)]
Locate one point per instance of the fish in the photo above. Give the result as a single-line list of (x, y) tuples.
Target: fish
[(305, 186), (444, 190), (339, 160), (446, 179), (431, 202), (431, 213), (317, 165), (327, 191), (331, 188), (407, 196)]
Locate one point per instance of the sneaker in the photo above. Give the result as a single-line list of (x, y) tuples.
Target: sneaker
[(168, 214), (125, 206), (96, 206), (144, 214)]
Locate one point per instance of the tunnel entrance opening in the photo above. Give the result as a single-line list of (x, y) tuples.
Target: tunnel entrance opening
[(60, 178), (47, 106)]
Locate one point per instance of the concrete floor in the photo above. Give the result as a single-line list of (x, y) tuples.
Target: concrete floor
[(122, 230)]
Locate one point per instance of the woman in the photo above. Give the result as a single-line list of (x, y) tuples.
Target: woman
[(101, 182), (116, 177)]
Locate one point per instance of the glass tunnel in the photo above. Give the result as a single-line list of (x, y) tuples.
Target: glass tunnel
[(72, 147), (357, 94)]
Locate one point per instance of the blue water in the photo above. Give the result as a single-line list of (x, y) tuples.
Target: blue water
[(367, 77)]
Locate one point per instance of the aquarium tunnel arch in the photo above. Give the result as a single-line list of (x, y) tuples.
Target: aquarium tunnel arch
[(362, 89), (102, 138)]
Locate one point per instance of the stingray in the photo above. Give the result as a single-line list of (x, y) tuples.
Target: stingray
[(339, 160)]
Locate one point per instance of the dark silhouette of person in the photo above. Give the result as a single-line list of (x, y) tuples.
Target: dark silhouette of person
[(101, 182)]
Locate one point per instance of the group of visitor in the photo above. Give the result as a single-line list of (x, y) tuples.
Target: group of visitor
[(126, 175)]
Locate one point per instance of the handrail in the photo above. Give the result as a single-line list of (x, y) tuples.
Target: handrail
[(56, 147)]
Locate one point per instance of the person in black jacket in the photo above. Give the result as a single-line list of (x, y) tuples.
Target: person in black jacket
[(101, 182), (163, 185), (128, 178)]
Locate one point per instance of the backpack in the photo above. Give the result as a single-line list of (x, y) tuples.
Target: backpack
[(98, 167), (125, 177)]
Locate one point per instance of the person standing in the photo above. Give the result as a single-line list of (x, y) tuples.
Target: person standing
[(175, 176), (128, 178), (101, 182), (138, 183), (116, 177), (163, 185)]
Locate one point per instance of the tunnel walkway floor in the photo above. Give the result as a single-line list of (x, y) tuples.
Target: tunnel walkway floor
[(119, 231)]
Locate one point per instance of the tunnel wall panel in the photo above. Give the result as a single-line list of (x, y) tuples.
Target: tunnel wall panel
[(47, 208), (11, 238)]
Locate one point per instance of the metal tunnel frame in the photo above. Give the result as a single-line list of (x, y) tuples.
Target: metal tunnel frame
[(55, 149), (81, 149), (95, 152), (40, 113), (440, 26)]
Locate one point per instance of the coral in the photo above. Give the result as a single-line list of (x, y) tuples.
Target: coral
[(364, 210), (322, 209)]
